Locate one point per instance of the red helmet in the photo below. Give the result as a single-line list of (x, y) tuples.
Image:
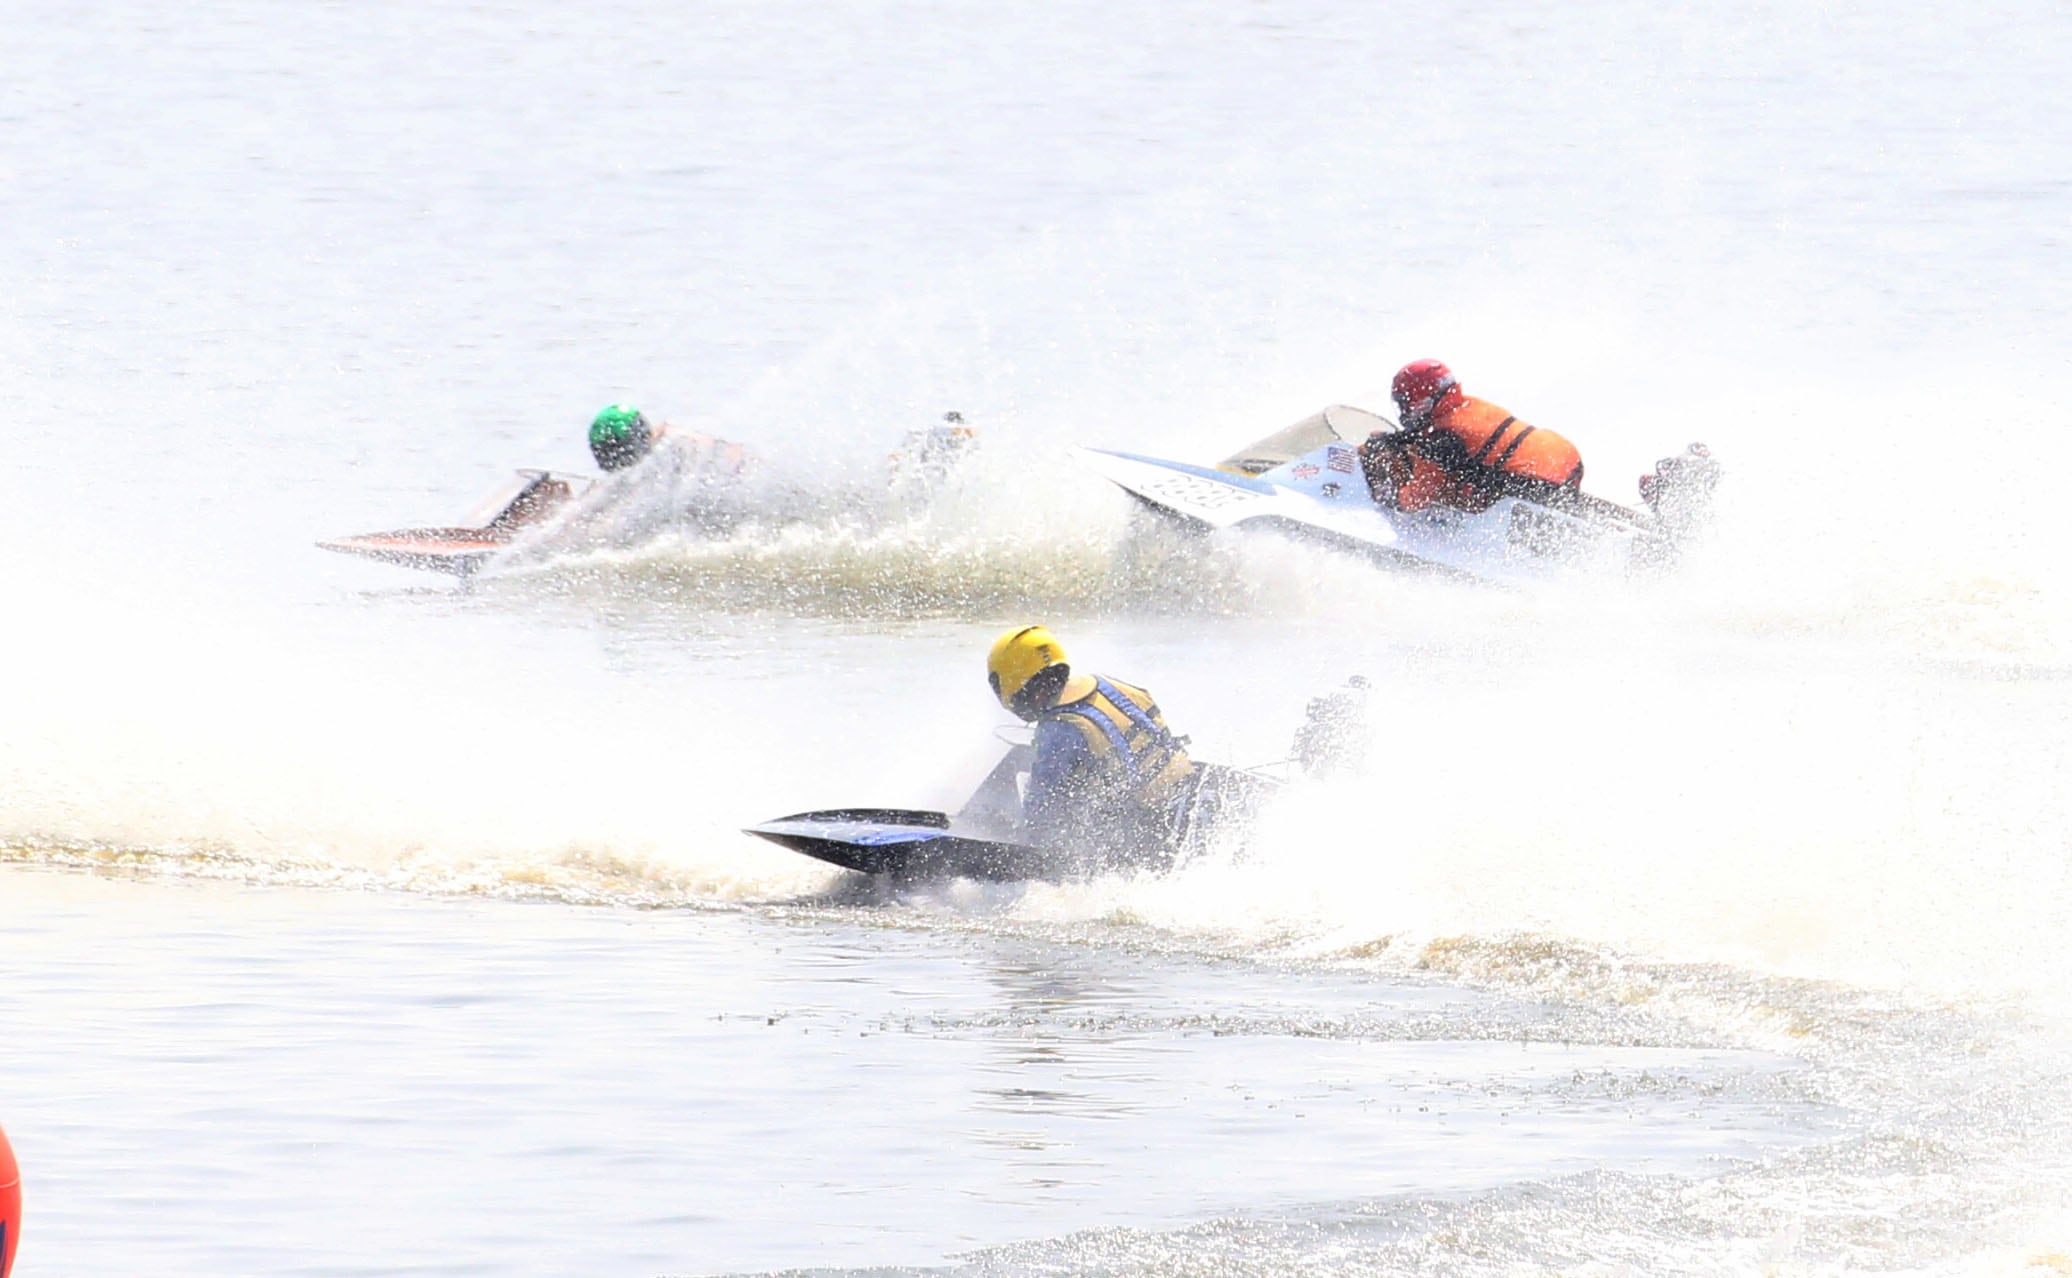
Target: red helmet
[(1420, 383)]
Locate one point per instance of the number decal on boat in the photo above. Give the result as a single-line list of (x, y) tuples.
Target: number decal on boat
[(1192, 490)]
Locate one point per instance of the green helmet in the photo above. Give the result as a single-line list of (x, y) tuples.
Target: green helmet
[(619, 436)]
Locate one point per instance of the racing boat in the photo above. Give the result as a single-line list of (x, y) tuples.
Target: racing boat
[(982, 839), (530, 500), (695, 482), (1306, 481)]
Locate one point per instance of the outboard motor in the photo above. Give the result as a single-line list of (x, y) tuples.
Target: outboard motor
[(1332, 740), (1680, 490)]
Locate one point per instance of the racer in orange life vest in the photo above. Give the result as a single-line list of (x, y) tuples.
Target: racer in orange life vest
[(1108, 775), (1455, 450)]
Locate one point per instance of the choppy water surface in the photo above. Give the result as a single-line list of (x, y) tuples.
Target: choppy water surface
[(365, 1075), (356, 923)]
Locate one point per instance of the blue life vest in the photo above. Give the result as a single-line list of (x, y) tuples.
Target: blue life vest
[(1128, 738)]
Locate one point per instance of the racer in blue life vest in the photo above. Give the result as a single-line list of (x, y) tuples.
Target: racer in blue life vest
[(1108, 775)]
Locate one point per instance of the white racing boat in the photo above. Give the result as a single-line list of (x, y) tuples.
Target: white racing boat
[(1306, 481)]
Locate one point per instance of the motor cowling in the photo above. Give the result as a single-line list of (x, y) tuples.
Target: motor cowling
[(1680, 491), (1332, 740)]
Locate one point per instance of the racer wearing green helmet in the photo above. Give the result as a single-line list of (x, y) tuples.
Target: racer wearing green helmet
[(620, 436)]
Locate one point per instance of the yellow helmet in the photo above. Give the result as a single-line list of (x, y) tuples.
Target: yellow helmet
[(1016, 658)]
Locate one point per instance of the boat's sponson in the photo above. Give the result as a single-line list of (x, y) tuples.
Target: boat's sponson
[(459, 551), (910, 844), (529, 500)]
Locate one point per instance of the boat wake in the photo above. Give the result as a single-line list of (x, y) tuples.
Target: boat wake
[(1108, 561), (571, 876)]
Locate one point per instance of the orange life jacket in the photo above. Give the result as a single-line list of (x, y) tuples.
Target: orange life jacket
[(1497, 441), (1473, 453)]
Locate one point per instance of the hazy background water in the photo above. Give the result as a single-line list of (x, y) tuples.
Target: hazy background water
[(1759, 936)]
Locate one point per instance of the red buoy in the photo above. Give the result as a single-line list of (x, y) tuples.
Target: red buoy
[(10, 1205)]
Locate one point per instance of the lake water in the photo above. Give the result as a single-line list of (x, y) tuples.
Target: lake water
[(355, 923)]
